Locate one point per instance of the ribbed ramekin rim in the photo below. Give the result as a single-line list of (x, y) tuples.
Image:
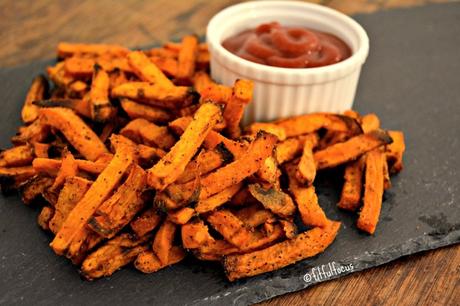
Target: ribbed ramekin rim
[(358, 57)]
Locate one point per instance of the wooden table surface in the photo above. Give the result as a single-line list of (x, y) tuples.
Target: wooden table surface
[(30, 30)]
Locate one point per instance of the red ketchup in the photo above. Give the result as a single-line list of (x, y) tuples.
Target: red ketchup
[(289, 47)]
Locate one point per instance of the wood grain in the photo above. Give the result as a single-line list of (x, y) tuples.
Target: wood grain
[(30, 30)]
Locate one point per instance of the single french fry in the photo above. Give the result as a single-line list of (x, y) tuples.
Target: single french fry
[(80, 106), (52, 166), (306, 169), (305, 124), (181, 216), (205, 162), (173, 164), (272, 128), (151, 113), (73, 191), (215, 250), (307, 202), (12, 177), (244, 166), (187, 58), (69, 168), (153, 94), (163, 241), (167, 65), (44, 217), (209, 90), (373, 191), (65, 49), (395, 151), (148, 262), (122, 206), (145, 132), (113, 255), (97, 193), (17, 156), (146, 70), (353, 184), (40, 149), (195, 234), (273, 199), (289, 149), (213, 202), (351, 149), (75, 131), (282, 254), (37, 91), (241, 96), (370, 122), (101, 108), (145, 222), (34, 132), (36, 186), (254, 215)]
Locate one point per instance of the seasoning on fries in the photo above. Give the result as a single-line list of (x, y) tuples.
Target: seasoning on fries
[(139, 157)]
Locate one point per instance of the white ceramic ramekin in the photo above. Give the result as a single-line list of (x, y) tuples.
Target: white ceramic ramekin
[(282, 92)]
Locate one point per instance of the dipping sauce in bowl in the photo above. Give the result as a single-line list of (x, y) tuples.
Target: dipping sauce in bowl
[(290, 47)]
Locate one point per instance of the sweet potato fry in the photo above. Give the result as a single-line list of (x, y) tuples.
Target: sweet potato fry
[(239, 234), (73, 191), (373, 191), (269, 171), (101, 108), (289, 149), (351, 149), (195, 234), (310, 123), (173, 164), (187, 58), (241, 96), (152, 94), (352, 186), (98, 192), (145, 222), (145, 132), (254, 215), (370, 122), (150, 113), (75, 131), (163, 241), (167, 65), (147, 71), (113, 255), (213, 202), (44, 217), (246, 165), (37, 91), (273, 199), (395, 151), (306, 169), (122, 206), (211, 91), (205, 162), (148, 262), (271, 128), (52, 166), (17, 156), (215, 250), (80, 106), (69, 49), (35, 132), (40, 149), (307, 201), (12, 177), (69, 168), (35, 187), (282, 254), (58, 75), (181, 216)]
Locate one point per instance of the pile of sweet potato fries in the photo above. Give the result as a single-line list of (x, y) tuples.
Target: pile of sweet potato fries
[(138, 156)]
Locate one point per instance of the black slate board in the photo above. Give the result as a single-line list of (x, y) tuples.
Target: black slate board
[(411, 80)]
